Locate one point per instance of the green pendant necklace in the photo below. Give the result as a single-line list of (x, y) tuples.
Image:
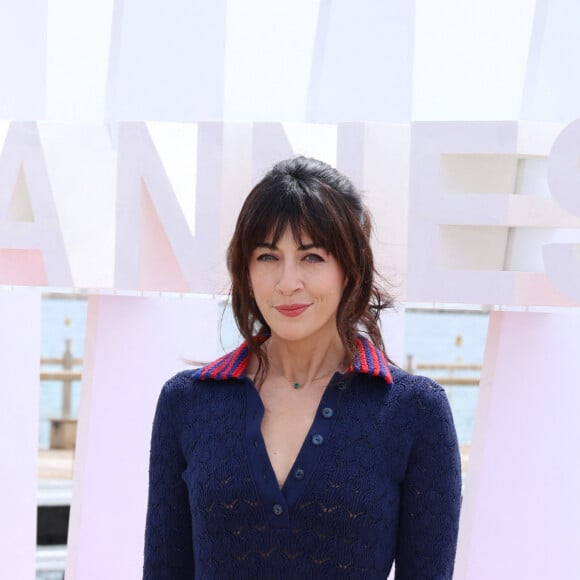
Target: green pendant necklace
[(297, 385)]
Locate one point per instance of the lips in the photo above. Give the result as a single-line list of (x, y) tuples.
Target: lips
[(291, 310)]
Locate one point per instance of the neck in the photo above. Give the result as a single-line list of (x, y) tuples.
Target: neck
[(304, 362)]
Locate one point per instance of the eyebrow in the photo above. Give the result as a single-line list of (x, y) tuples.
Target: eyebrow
[(302, 247)]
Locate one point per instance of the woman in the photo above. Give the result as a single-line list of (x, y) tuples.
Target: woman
[(303, 453)]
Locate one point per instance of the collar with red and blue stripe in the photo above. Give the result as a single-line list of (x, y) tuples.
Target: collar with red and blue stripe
[(368, 360)]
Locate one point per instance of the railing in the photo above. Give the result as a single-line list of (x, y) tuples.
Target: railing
[(67, 375), (450, 379), (63, 429)]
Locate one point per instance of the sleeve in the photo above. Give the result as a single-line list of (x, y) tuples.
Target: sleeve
[(430, 495), (168, 542)]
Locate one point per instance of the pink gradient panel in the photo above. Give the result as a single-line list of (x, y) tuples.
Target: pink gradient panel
[(560, 284), (158, 268), (26, 193), (520, 512), (19, 402), (22, 268), (133, 346), (137, 262)]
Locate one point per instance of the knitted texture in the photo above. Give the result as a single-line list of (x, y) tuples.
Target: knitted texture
[(377, 480)]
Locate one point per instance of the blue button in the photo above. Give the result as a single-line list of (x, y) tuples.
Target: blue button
[(317, 439), (299, 474), (277, 509), (327, 412), (341, 386)]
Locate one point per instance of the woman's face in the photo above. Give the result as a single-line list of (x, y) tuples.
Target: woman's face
[(296, 287)]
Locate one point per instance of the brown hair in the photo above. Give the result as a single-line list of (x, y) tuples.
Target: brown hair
[(309, 196)]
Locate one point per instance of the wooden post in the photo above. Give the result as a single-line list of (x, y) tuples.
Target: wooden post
[(63, 430), (409, 368)]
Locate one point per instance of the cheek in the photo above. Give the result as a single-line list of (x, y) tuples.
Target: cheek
[(334, 292), (258, 283), (341, 282), (253, 277)]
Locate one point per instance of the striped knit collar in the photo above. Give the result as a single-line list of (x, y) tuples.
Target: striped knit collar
[(368, 360)]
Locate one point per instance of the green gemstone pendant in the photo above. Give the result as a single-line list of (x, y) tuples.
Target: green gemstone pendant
[(295, 385)]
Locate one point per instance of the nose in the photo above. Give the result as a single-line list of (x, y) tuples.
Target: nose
[(290, 280)]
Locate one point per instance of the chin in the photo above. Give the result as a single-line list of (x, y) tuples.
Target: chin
[(289, 335), (298, 333)]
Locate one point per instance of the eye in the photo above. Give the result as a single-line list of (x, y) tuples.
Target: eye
[(266, 257), (313, 258)]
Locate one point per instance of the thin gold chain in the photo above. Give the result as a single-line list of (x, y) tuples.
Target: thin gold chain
[(297, 385)]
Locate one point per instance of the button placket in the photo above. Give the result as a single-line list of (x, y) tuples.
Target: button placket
[(302, 476), (273, 500)]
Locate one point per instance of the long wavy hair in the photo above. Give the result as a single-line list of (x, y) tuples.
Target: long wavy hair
[(309, 196)]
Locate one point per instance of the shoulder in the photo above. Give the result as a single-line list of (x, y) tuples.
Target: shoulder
[(183, 397), (415, 385), (178, 389), (184, 386), (231, 365), (419, 396), (182, 381)]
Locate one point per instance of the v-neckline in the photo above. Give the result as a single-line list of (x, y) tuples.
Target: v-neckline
[(278, 501)]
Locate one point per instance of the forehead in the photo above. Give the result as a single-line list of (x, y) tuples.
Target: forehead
[(289, 237)]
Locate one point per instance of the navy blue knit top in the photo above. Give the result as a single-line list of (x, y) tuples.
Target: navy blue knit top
[(376, 481)]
